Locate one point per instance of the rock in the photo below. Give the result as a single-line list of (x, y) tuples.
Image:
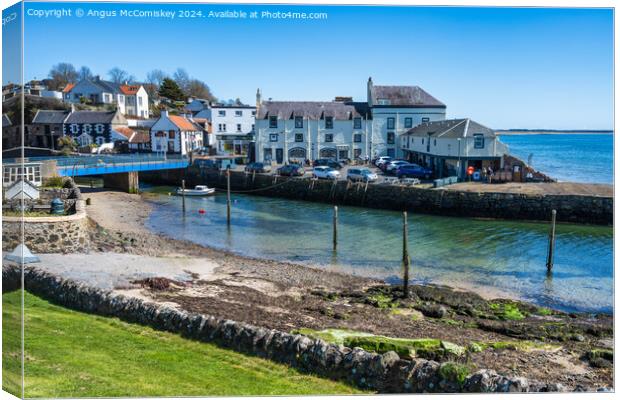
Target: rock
[(453, 349), (433, 310)]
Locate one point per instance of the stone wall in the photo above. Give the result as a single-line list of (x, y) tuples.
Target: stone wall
[(63, 234), (570, 208), (385, 373)]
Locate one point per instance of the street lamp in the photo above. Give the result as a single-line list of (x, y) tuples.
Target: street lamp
[(458, 164)]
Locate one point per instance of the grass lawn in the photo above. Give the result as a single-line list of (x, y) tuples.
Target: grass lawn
[(72, 354)]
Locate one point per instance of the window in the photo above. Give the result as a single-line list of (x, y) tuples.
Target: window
[(425, 119), (252, 127), (253, 113), (383, 102), (238, 127), (221, 127), (329, 122), (268, 155), (75, 128), (390, 123), (390, 137), (299, 137), (434, 142), (273, 137), (99, 140), (357, 138), (99, 128), (329, 138), (408, 122), (357, 153), (87, 128), (221, 113), (171, 134), (390, 153), (478, 141), (273, 121), (357, 123), (140, 101), (238, 113), (121, 99), (299, 122)]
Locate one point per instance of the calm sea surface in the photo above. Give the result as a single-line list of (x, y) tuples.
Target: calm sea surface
[(501, 258), (567, 157)]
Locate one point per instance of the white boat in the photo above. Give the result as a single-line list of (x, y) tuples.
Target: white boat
[(199, 190)]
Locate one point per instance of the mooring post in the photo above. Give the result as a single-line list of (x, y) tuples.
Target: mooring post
[(405, 256), (228, 195), (335, 223), (183, 193), (551, 242)]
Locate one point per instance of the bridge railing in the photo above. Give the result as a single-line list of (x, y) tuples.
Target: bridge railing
[(94, 160)]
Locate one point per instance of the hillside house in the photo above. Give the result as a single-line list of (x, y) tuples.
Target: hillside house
[(131, 100)]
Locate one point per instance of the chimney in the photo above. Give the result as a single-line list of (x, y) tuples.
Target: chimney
[(164, 113), (97, 78), (369, 91), (259, 98)]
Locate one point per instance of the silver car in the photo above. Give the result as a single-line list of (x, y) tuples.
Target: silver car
[(361, 174)]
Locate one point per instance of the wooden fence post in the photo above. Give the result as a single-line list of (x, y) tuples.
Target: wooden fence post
[(228, 195), (183, 193), (335, 223), (405, 256), (551, 242)]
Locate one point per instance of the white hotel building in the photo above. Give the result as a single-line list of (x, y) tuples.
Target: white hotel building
[(342, 129)]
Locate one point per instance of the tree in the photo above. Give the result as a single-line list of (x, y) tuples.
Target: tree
[(85, 73), (118, 75), (66, 144), (171, 90), (153, 82), (199, 89), (181, 77), (61, 74)]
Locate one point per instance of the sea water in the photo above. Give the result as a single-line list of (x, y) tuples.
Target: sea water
[(496, 258), (586, 158)]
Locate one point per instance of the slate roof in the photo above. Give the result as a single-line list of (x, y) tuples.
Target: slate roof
[(404, 96), (50, 116), (451, 128), (91, 117), (311, 110)]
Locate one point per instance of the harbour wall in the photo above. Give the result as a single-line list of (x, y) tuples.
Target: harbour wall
[(570, 208), (385, 373)]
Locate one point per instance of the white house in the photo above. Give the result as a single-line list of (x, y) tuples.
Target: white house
[(94, 127), (232, 127), (342, 129), (175, 134), (449, 147), (131, 100)]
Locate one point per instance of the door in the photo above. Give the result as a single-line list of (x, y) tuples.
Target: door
[(279, 156)]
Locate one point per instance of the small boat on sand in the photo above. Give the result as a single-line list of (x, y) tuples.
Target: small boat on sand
[(199, 190)]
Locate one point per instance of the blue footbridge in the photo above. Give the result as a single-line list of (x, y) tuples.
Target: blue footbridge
[(115, 168)]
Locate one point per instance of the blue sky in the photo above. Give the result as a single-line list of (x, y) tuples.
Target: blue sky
[(504, 67)]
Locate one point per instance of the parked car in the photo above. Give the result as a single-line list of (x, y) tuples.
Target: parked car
[(324, 172), (382, 160), (328, 162), (361, 174), (413, 171), (291, 170), (392, 166), (258, 167)]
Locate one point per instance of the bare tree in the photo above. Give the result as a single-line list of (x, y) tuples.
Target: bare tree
[(154, 80), (85, 73), (181, 77), (199, 89), (61, 74), (118, 75)]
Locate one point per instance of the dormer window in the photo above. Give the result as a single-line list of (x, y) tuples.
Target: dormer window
[(299, 122), (383, 102), (357, 123), (221, 113), (273, 121), (478, 141), (329, 122)]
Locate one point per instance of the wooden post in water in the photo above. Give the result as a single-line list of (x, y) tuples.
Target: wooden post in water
[(405, 256), (335, 223), (228, 195), (183, 193), (551, 242)]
